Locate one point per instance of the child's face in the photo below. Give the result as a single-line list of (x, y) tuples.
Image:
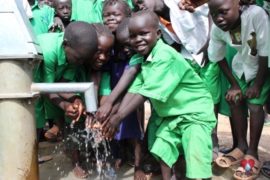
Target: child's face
[(47, 2), (144, 4), (102, 56), (225, 13), (143, 35), (76, 56), (113, 15), (123, 43), (63, 9)]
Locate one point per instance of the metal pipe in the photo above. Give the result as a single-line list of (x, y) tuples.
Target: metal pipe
[(87, 88)]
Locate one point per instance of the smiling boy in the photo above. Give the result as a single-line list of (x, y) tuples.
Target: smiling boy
[(184, 116)]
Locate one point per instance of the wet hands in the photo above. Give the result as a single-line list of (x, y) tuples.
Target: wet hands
[(75, 110), (110, 126), (91, 122), (103, 112)]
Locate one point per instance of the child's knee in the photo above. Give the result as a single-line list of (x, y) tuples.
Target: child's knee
[(255, 108)]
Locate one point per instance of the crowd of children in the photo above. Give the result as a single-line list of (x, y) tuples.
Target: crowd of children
[(190, 59)]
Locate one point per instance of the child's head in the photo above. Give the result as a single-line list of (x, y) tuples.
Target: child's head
[(144, 31), (105, 44), (114, 11), (225, 13), (122, 38), (144, 4), (47, 2), (63, 9), (80, 42)]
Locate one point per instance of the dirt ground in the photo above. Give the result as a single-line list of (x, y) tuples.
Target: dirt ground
[(60, 166)]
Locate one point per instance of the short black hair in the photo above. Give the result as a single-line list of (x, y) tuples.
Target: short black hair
[(81, 35), (149, 15), (102, 30), (127, 10)]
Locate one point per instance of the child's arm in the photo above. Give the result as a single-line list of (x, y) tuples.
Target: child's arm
[(234, 93), (254, 90), (129, 104), (124, 82)]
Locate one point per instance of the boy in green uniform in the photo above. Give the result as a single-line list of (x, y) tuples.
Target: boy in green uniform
[(42, 17), (62, 52), (184, 116)]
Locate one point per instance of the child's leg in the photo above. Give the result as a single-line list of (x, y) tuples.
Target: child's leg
[(256, 125), (214, 135), (179, 169), (138, 172), (240, 124), (77, 169), (165, 170)]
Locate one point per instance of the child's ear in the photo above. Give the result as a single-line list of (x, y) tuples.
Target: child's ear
[(158, 33), (65, 42)]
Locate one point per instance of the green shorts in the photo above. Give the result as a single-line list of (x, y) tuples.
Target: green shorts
[(170, 137), (210, 75), (264, 92)]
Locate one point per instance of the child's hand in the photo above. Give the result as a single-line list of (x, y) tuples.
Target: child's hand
[(74, 110), (186, 5), (110, 126), (253, 92), (57, 24), (103, 112), (89, 121), (70, 110), (234, 94)]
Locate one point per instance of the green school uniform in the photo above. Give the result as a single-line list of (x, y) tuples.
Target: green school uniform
[(210, 75), (87, 10), (42, 18), (225, 85), (53, 68), (183, 107)]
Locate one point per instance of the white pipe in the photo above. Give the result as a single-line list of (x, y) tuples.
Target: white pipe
[(87, 88)]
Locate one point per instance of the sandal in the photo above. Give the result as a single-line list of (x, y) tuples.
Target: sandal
[(249, 169), (232, 158), (266, 169)]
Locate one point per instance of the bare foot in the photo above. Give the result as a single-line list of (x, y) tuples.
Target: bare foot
[(140, 175), (118, 163), (53, 134), (79, 172)]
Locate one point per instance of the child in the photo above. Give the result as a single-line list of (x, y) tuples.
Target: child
[(246, 29), (130, 129), (90, 72), (188, 33), (42, 17), (62, 53), (114, 11), (63, 12), (174, 89), (46, 2)]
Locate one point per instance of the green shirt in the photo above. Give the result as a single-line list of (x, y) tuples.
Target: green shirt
[(172, 85), (54, 66), (42, 18), (87, 10)]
